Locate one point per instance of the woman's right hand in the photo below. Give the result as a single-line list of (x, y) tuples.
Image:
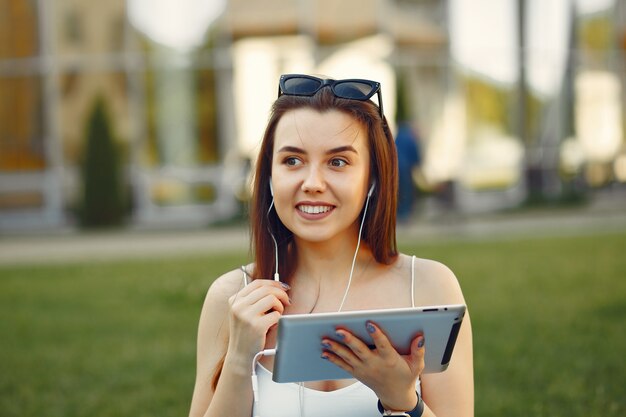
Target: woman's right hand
[(254, 310)]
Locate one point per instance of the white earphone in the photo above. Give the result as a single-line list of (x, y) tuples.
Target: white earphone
[(371, 190), (277, 276)]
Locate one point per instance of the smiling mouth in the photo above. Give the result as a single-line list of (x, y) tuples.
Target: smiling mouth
[(314, 209)]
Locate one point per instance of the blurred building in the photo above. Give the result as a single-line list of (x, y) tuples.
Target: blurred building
[(189, 84), (187, 112)]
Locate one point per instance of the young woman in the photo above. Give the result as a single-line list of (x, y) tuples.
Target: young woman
[(323, 218)]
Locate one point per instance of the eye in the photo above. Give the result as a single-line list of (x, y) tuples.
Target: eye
[(338, 163), (292, 161)]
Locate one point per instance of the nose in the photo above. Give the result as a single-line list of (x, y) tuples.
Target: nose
[(314, 181)]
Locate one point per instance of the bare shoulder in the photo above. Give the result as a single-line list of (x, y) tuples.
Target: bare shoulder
[(213, 334), (223, 288), (436, 283), (213, 324)]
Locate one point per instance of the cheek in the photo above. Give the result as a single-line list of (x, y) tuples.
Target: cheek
[(283, 193)]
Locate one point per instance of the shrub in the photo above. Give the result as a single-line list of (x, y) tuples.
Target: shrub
[(103, 190)]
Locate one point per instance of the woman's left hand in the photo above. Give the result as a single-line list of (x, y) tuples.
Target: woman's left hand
[(390, 375)]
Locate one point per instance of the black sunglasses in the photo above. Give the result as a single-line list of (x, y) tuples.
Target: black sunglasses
[(352, 89)]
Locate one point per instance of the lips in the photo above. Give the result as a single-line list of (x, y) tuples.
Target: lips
[(314, 210), (310, 209)]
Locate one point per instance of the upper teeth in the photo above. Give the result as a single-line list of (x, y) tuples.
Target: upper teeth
[(314, 209)]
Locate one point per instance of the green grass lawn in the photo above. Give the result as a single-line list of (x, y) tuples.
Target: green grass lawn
[(118, 338)]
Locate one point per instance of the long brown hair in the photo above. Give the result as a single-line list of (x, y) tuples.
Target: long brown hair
[(379, 231)]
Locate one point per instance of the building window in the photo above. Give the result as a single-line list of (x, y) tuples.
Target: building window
[(21, 121)]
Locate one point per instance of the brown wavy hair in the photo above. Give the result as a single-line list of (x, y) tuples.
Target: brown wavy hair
[(379, 230)]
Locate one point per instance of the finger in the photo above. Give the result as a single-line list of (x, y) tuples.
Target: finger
[(261, 292), (269, 320), (351, 348), (260, 283), (267, 303), (418, 350), (337, 360), (340, 352), (381, 341)]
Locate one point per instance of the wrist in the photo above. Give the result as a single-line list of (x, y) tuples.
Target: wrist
[(395, 401), (416, 411), (237, 365)]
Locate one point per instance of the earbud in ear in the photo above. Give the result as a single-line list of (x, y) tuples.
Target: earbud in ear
[(271, 189), (371, 191)]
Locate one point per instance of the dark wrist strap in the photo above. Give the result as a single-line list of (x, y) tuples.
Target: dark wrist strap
[(416, 412)]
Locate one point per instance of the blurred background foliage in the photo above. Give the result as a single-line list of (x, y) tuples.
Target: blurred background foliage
[(514, 100), (103, 203)]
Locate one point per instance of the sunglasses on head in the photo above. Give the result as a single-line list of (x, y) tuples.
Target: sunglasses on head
[(352, 89)]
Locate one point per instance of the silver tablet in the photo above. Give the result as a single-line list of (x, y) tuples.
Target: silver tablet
[(298, 347)]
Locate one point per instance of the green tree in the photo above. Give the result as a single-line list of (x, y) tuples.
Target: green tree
[(103, 195)]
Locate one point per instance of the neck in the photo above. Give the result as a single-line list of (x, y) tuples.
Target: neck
[(330, 260), (322, 281)]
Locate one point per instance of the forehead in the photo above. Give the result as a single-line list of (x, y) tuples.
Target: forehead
[(308, 128)]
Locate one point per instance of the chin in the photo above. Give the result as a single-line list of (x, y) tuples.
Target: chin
[(311, 236), (315, 234)]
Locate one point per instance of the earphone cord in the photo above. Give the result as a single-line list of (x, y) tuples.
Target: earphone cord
[(276, 276), (356, 252), (255, 386), (254, 378)]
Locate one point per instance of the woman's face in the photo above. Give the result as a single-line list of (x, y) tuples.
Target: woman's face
[(320, 172)]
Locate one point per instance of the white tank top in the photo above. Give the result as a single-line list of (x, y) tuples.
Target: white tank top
[(294, 400)]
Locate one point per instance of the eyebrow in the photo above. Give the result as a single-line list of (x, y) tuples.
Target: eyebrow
[(339, 149)]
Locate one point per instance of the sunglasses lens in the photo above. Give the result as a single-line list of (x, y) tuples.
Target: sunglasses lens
[(301, 86), (354, 90)]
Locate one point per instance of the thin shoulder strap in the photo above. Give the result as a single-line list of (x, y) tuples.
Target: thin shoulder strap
[(245, 276), (413, 281)]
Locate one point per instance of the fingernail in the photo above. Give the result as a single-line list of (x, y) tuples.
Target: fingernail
[(370, 327), (285, 286), (324, 357), (340, 335), (420, 344), (326, 345)]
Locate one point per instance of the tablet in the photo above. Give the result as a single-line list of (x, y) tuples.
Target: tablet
[(298, 346)]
